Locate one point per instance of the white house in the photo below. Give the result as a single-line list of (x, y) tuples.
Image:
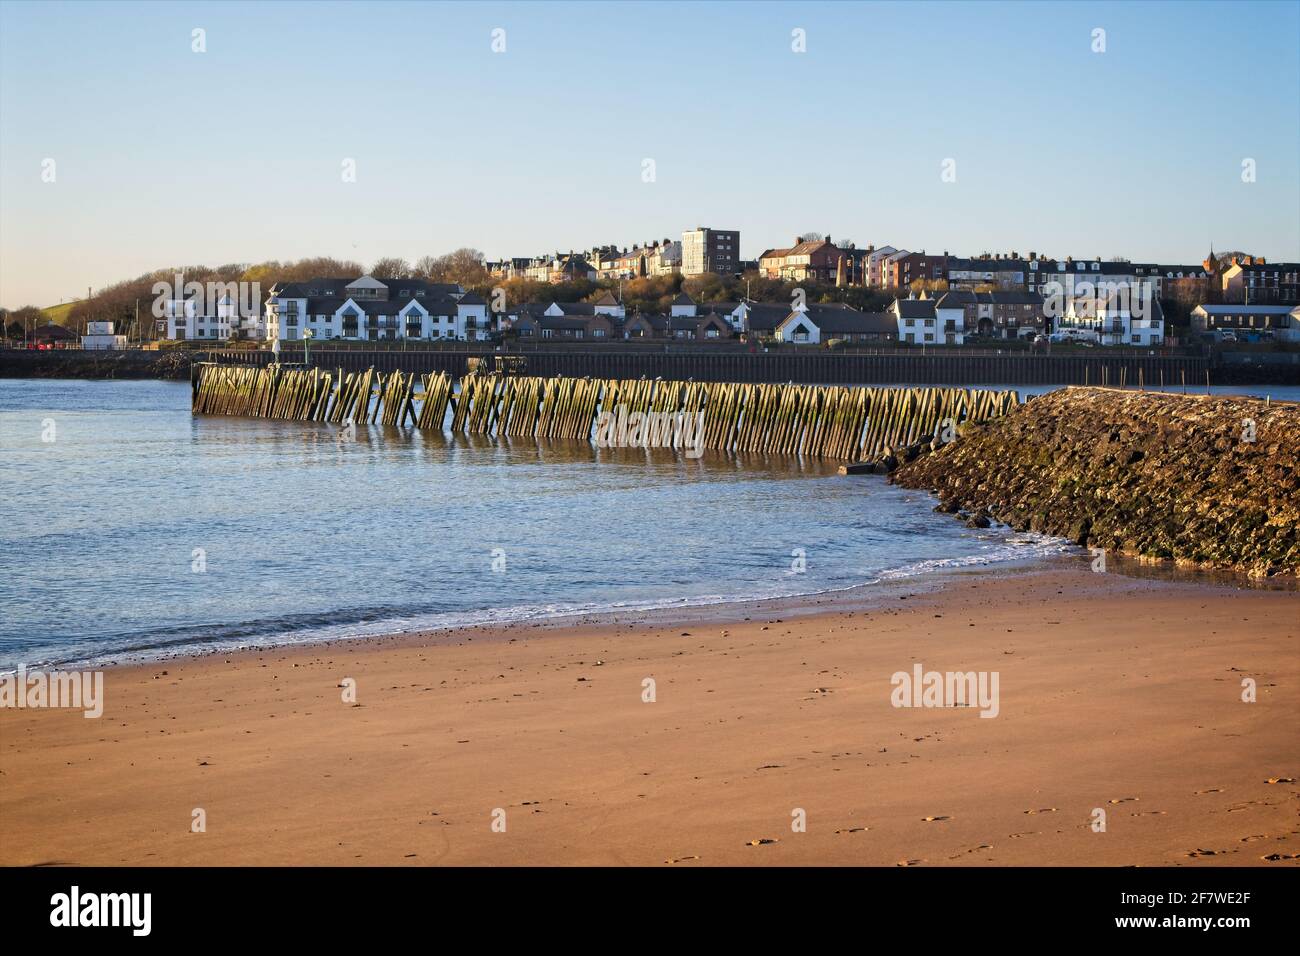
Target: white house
[(682, 306), (929, 322), (375, 310), (605, 305), (100, 335), (1114, 320), (191, 318), (188, 319)]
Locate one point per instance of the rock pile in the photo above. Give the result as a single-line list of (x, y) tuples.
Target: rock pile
[(1203, 481)]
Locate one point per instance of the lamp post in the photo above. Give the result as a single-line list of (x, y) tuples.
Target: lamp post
[(306, 346)]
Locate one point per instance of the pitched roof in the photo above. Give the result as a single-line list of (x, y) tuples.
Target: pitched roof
[(847, 321), (338, 287), (1247, 309), (914, 308)]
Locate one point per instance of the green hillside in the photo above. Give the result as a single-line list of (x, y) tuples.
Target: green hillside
[(58, 314)]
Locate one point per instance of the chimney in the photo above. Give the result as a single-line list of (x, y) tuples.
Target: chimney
[(828, 238)]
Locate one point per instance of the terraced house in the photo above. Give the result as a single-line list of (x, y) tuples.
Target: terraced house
[(1006, 314), (375, 310), (812, 260)]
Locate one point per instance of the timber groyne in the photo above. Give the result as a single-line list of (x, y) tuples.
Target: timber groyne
[(837, 422), (792, 364), (1206, 481)]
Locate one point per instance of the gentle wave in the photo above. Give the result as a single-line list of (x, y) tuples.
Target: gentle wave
[(1009, 548)]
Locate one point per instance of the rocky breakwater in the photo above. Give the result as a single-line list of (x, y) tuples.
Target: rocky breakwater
[(109, 363), (1203, 481)]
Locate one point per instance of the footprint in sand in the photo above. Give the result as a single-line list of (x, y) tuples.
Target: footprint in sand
[(1123, 800), (1204, 852), (853, 830), (1041, 810), (1211, 790), (1275, 857), (935, 819), (681, 859), (909, 862), (1253, 837), (1280, 780), (974, 849), (760, 842)]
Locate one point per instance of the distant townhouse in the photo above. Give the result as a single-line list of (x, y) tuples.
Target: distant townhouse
[(1113, 320), (874, 265), (374, 310), (700, 328), (735, 314), (1245, 321), (1005, 273), (547, 320), (1045, 275), (658, 258), (560, 267), (906, 269), (593, 326), (705, 249), (193, 318), (813, 260), (605, 305), (1253, 281), (928, 322), (505, 269), (1006, 314)]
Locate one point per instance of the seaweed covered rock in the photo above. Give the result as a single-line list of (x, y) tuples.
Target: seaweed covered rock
[(1200, 480)]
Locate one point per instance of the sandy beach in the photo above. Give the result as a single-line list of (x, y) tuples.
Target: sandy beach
[(1115, 693)]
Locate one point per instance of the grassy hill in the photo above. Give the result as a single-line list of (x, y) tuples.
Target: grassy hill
[(58, 314)]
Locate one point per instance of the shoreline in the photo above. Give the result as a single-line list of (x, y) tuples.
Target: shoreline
[(865, 596), (1108, 684)]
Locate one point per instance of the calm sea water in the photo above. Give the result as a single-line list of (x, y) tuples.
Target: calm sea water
[(139, 530)]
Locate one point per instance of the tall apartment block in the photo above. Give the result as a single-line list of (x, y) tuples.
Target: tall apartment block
[(710, 250)]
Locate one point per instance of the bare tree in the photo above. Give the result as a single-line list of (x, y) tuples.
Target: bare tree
[(391, 268)]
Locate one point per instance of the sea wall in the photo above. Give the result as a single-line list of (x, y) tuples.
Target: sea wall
[(108, 363), (1199, 480)]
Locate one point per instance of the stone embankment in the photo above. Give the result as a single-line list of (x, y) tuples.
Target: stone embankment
[(75, 363), (1203, 481)]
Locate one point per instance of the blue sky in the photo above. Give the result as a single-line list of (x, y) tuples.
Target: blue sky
[(165, 156)]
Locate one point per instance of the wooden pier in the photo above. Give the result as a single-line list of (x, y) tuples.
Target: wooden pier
[(822, 421)]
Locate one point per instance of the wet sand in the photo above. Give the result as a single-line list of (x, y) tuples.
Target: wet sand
[(1115, 693)]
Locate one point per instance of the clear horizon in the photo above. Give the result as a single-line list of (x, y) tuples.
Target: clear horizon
[(165, 157)]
